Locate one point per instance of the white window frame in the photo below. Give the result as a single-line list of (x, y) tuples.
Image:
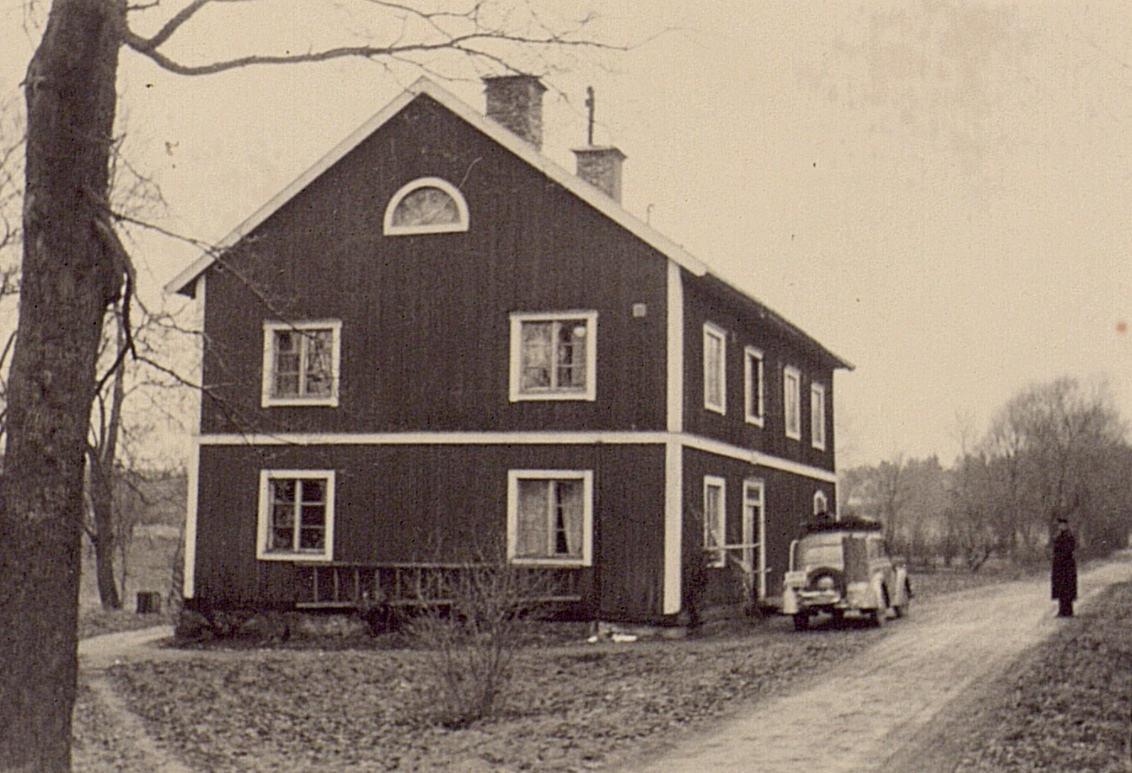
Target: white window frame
[(817, 416), (264, 518), (513, 478), (433, 228), (715, 549), (268, 398), (754, 532), (518, 319), (714, 334), (821, 503), (754, 405), (792, 396)]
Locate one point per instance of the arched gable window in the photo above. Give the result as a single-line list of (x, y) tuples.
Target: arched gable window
[(821, 503), (429, 205)]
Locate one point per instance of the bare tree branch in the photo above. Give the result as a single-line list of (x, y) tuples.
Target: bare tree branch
[(171, 26), (467, 32), (460, 44)]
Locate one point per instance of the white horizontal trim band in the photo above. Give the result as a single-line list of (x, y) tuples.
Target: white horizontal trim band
[(707, 445)]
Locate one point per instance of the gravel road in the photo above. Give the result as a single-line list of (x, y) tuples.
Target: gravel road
[(901, 706)]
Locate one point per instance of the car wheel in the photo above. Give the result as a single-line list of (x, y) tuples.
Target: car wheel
[(801, 621)]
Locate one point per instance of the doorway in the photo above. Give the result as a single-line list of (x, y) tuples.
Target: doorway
[(754, 538)]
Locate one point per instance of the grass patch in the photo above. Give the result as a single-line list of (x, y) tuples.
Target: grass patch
[(570, 708), (927, 584), (95, 621), (152, 553), (1069, 704)]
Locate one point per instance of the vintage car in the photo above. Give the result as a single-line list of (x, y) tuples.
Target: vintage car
[(843, 566)]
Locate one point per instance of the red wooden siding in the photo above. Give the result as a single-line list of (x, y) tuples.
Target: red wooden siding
[(425, 348), (433, 504), (425, 336), (744, 328), (788, 502)]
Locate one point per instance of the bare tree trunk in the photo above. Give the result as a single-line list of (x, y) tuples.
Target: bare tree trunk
[(103, 537), (102, 461), (68, 279)]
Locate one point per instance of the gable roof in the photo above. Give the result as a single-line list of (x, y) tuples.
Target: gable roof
[(184, 281), (518, 146)]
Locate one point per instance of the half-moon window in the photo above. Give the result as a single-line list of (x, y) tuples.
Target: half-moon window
[(429, 205)]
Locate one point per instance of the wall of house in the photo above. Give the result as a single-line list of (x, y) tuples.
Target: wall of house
[(425, 326), (431, 503), (788, 503), (744, 328), (425, 348)]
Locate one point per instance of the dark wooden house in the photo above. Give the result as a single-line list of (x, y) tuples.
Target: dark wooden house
[(437, 338)]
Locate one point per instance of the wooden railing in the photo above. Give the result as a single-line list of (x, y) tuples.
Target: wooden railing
[(417, 584)]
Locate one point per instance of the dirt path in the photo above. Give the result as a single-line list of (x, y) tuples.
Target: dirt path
[(130, 747), (897, 707)]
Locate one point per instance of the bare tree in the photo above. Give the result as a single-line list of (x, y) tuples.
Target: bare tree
[(11, 200), (879, 493), (133, 194), (910, 496), (75, 267), (1055, 450), (102, 455), (971, 523), (1058, 435)]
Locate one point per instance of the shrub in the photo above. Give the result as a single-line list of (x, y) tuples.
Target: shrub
[(470, 627)]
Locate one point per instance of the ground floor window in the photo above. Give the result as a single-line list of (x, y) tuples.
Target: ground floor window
[(296, 515), (715, 520), (550, 517)]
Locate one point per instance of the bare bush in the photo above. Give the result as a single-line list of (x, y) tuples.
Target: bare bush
[(470, 625)]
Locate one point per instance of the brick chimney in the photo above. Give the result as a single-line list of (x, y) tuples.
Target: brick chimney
[(515, 101), (600, 166)]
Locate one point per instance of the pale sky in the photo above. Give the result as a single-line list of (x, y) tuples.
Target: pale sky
[(937, 191)]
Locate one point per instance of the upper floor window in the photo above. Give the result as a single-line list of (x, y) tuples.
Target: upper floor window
[(429, 205), (715, 368), (754, 393), (300, 363), (821, 503), (296, 515), (550, 517), (817, 416), (715, 520), (792, 401), (554, 356)]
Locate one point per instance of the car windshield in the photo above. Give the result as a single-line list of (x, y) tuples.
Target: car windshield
[(822, 550)]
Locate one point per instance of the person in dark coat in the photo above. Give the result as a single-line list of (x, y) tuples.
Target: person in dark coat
[(1063, 572)]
